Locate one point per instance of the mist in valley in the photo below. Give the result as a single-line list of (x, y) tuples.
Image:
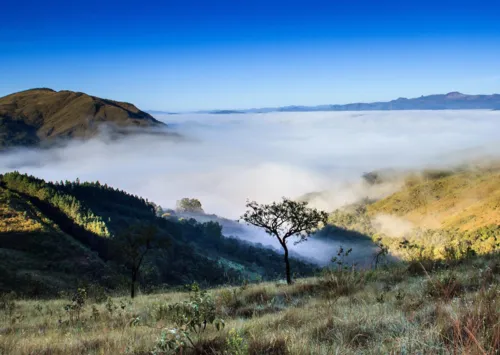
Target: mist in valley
[(223, 160)]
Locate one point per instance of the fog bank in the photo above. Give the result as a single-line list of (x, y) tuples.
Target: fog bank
[(225, 159)]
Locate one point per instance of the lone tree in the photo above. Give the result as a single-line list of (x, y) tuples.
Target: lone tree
[(189, 205), (283, 220), (133, 245)]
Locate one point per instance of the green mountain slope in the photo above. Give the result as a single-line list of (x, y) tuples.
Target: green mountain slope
[(56, 235), (43, 115)]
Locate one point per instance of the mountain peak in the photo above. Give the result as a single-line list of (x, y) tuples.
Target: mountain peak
[(37, 115)]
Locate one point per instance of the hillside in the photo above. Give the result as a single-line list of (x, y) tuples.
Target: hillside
[(56, 236), (466, 200), (43, 115), (450, 310), (434, 208)]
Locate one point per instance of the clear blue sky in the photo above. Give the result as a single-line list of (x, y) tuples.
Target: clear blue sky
[(183, 55)]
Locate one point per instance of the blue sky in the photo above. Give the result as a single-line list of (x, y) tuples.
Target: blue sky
[(188, 55)]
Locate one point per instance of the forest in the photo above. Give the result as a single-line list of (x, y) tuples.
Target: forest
[(58, 235)]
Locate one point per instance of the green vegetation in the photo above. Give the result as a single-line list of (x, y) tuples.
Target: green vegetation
[(81, 243), (284, 220), (58, 236), (192, 205), (452, 309)]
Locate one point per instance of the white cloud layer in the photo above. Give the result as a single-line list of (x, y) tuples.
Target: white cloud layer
[(226, 159)]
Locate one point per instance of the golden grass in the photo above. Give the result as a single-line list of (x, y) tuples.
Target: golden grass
[(17, 215), (387, 315), (468, 200)]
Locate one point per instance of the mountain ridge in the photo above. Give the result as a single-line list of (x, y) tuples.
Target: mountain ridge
[(451, 101)]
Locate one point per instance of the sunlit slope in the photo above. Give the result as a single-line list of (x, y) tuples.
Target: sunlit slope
[(36, 256), (433, 210), (466, 200), (43, 115)]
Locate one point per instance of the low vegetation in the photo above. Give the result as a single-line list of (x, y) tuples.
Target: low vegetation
[(453, 308), (459, 207)]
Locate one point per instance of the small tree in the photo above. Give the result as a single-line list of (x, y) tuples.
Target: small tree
[(189, 205), (133, 245), (283, 220)]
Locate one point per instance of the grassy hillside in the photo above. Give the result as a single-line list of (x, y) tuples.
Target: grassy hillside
[(433, 209), (467, 200), (44, 115), (52, 229), (37, 256), (451, 310)]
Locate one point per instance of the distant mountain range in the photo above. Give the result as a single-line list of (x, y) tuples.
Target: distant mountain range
[(450, 101), (40, 116)]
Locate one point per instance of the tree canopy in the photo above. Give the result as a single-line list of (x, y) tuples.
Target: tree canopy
[(189, 205), (285, 219)]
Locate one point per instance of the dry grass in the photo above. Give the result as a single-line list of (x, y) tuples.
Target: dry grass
[(469, 199), (407, 314)]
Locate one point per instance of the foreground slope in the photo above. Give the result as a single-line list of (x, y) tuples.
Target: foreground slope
[(44, 223), (41, 115), (451, 310)]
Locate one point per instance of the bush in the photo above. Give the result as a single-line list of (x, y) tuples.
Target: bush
[(196, 313), (236, 344), (445, 287)]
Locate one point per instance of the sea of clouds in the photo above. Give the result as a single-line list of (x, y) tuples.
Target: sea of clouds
[(223, 160)]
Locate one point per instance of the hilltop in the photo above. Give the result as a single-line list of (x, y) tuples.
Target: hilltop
[(40, 116)]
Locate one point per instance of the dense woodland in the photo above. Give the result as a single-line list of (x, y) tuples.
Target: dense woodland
[(72, 234)]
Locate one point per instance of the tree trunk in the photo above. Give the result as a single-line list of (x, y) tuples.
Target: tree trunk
[(132, 285), (287, 263)]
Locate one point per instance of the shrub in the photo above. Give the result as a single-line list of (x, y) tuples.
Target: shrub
[(77, 304), (236, 344), (191, 317), (196, 313), (444, 287)]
